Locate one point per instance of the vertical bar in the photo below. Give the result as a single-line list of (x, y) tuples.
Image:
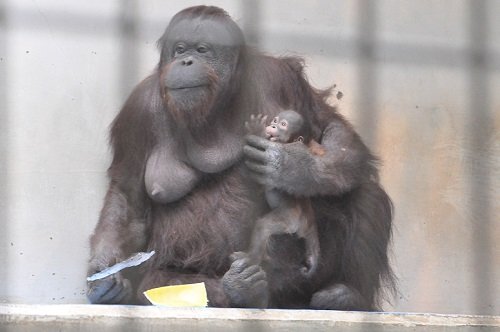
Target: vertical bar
[(251, 10), (129, 52), (4, 144), (478, 131), (367, 78), (367, 72)]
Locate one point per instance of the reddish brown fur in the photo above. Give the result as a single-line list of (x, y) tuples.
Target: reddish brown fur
[(199, 114), (195, 235), (316, 148)]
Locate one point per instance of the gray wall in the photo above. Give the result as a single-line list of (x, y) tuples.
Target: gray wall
[(420, 78)]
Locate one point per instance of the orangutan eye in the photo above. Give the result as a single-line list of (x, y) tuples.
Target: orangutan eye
[(202, 49), (180, 49)]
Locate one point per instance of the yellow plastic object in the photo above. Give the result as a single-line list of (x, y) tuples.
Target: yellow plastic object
[(189, 295)]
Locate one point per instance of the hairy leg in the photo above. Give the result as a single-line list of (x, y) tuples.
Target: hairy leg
[(264, 228), (244, 284), (312, 254), (339, 297), (308, 230)]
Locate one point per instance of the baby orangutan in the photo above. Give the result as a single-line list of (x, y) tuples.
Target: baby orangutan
[(289, 214)]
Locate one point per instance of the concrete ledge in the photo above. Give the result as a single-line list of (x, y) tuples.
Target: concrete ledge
[(41, 318)]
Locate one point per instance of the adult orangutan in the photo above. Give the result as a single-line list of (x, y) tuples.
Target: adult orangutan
[(187, 183)]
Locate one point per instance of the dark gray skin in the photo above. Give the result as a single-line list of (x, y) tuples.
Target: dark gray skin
[(289, 215), (184, 181)]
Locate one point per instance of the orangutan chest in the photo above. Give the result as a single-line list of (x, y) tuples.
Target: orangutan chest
[(214, 220), (173, 171), (216, 155)]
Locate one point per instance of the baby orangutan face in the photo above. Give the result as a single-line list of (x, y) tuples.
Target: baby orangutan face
[(286, 127)]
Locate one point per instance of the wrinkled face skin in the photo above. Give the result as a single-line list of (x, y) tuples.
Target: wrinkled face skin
[(199, 57), (285, 128)]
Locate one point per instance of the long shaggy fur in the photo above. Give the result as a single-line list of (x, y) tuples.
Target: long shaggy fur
[(195, 235)]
